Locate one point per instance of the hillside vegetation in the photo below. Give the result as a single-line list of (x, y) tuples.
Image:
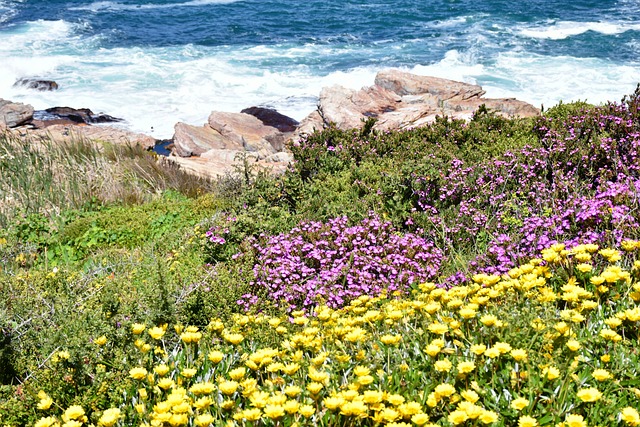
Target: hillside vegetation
[(480, 273)]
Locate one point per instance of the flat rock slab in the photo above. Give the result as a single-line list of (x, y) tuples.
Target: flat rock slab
[(116, 136)]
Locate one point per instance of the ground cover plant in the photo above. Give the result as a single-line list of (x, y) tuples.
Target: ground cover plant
[(480, 273), (550, 343)]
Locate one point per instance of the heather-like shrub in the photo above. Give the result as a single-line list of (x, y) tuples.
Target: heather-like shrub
[(334, 262)]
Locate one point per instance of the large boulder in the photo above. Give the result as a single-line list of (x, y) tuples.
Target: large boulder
[(228, 131), (247, 131), (400, 100), (191, 140), (14, 114)]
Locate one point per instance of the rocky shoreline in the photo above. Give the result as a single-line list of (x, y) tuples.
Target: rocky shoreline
[(397, 100)]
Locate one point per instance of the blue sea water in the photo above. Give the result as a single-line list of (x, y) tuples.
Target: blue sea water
[(157, 62)]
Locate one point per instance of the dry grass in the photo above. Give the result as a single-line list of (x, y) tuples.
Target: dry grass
[(40, 175)]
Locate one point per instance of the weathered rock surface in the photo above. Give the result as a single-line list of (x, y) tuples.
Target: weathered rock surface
[(228, 131), (108, 134), (14, 114), (248, 132), (37, 84), (400, 100), (214, 149), (191, 140)]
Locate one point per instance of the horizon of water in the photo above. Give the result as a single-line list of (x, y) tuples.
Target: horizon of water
[(157, 62)]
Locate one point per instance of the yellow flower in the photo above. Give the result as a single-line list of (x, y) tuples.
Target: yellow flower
[(290, 368), (519, 403), (395, 399), (420, 419), (252, 414), (318, 376), (470, 396), (444, 390), (490, 320), (292, 390), (478, 349), (234, 339), (109, 417), (189, 372), (630, 416), (306, 410), (457, 417), (161, 370), (273, 411), (438, 328), (601, 374), (391, 339), (215, 356), (610, 335), (551, 373), (488, 417), (137, 328), (46, 422), (389, 415), (361, 371), (584, 268), (467, 313), (492, 352), (102, 340), (519, 355), (237, 374), (527, 421), (575, 420), (443, 365), (573, 345), (165, 383), (202, 388), (156, 332), (203, 420), (314, 388), (432, 350), (74, 412), (365, 379), (590, 394), (138, 373), (332, 403), (291, 406), (191, 336), (45, 401), (228, 387), (466, 367)]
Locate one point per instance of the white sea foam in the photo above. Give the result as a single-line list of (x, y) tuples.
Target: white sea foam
[(101, 6), (540, 80), (564, 29), (154, 88)]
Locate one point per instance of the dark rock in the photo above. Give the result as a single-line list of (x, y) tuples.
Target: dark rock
[(270, 117), (80, 115), (37, 84)]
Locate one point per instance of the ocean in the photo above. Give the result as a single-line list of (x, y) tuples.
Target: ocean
[(157, 62)]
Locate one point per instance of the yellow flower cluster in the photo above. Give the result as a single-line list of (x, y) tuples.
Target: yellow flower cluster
[(500, 349)]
